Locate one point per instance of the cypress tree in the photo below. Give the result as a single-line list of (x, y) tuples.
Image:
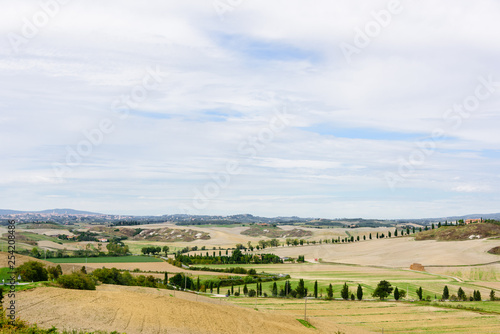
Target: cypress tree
[(396, 293), (344, 293), (359, 292), (275, 289), (301, 289), (446, 293), (316, 289), (477, 295), (232, 288), (461, 294), (245, 290), (419, 293), (492, 295), (329, 291)]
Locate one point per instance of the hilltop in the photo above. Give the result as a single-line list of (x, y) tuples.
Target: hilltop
[(275, 232), (461, 232)]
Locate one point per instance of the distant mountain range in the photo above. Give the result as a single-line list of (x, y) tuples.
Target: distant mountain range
[(244, 218), (53, 211)]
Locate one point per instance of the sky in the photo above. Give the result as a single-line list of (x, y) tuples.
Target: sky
[(372, 109)]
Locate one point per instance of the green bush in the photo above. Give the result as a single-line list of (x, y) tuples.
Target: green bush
[(77, 280), (33, 271)]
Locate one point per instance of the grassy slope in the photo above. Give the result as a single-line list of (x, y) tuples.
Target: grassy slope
[(454, 233)]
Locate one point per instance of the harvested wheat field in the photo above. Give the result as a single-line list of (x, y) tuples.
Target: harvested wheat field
[(145, 310), (397, 252), (386, 317)]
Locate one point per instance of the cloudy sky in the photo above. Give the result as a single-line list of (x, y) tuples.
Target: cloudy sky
[(385, 109)]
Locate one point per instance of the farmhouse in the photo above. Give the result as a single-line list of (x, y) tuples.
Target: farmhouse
[(102, 240), (474, 220)]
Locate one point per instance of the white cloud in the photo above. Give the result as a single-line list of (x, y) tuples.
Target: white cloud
[(224, 80)]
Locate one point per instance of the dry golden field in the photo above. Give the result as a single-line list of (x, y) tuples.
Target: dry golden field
[(398, 252), (386, 317), (144, 310)]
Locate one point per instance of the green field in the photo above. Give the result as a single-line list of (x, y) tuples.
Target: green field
[(367, 277), (110, 259), (5, 273), (39, 237)]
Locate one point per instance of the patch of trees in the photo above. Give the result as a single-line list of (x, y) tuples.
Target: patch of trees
[(78, 280), (117, 249), (151, 250), (232, 270), (181, 280), (237, 257), (81, 236), (35, 271), (127, 223), (460, 296), (207, 222), (114, 276)]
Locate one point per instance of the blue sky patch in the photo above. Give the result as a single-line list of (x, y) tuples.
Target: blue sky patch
[(363, 133), (265, 50)]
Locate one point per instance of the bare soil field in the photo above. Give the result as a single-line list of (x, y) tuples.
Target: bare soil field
[(143, 310), (386, 317), (53, 245), (397, 252)]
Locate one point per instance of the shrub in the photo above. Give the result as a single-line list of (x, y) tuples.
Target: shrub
[(77, 280), (33, 271), (252, 293)]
